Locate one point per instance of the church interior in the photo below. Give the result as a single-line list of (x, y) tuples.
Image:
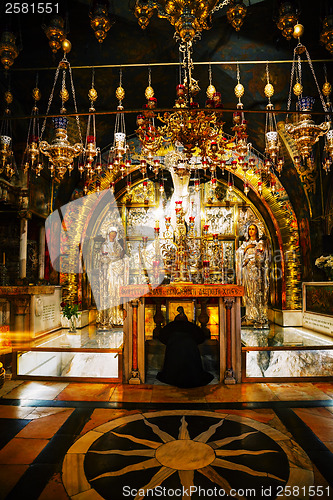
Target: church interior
[(166, 249)]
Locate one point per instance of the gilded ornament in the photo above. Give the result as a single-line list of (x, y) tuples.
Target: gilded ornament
[(120, 93), (210, 91), (269, 90), (64, 95), (298, 30), (298, 89), (149, 92), (66, 45), (239, 90), (8, 97), (92, 94), (36, 94), (327, 89)]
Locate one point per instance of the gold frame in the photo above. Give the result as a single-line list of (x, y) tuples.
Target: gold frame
[(188, 305)]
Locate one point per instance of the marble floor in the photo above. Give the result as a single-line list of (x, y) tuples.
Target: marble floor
[(93, 441)]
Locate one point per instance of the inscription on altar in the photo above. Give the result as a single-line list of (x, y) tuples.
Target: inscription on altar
[(318, 323), (183, 290), (48, 312)]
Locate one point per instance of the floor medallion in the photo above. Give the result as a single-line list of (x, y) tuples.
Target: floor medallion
[(185, 454)]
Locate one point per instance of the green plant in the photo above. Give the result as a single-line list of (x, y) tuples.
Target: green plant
[(70, 309)]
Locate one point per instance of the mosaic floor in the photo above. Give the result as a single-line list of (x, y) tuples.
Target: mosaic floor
[(93, 441)]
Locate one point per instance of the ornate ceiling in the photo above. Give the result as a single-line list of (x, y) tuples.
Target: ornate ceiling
[(126, 43)]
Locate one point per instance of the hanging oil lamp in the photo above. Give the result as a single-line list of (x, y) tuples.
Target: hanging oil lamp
[(55, 32), (272, 142), (305, 132), (100, 20), (7, 162), (32, 158), (8, 49), (60, 151), (236, 13), (91, 150)]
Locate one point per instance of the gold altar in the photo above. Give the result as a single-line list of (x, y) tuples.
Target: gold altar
[(228, 298)]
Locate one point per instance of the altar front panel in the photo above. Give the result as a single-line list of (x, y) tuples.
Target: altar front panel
[(135, 296)]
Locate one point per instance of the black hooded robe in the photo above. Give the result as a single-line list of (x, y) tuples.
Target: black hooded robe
[(182, 362)]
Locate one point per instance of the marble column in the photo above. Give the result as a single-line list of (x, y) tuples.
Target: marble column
[(23, 247), (41, 259), (135, 379), (229, 377)]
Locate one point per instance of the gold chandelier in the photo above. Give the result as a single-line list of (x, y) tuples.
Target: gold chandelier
[(304, 131), (189, 17), (60, 151), (198, 132)]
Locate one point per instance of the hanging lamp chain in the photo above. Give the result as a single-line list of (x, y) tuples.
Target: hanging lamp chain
[(220, 5), (291, 82), (74, 99), (315, 79), (50, 101)]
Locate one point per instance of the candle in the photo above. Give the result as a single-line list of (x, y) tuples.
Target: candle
[(3, 258)]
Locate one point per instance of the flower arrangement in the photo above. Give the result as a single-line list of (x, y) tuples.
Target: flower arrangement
[(71, 312), (326, 263)]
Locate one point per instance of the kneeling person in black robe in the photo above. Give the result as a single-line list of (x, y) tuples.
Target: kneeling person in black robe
[(182, 362)]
